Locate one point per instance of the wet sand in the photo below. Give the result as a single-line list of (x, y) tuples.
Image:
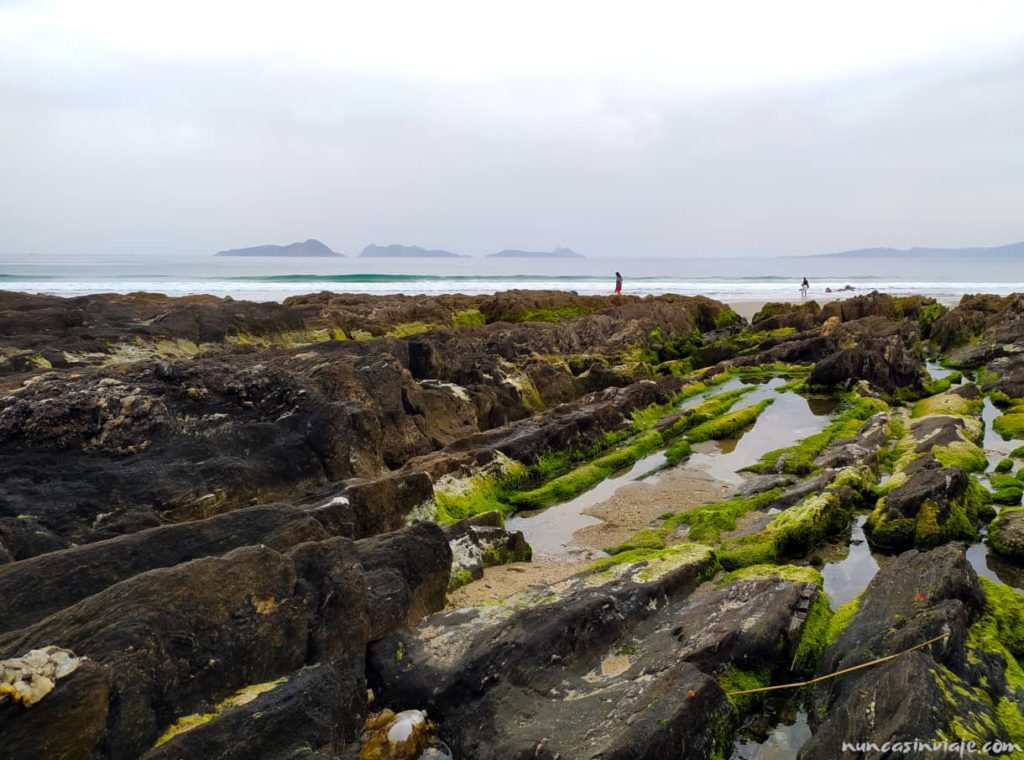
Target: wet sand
[(632, 507), (637, 505), (747, 309), (503, 581)]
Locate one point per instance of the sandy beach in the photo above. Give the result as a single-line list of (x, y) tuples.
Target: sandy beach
[(747, 309)]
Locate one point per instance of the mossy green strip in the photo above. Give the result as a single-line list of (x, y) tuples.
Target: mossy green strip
[(582, 478), (728, 425), (707, 522), (798, 459)]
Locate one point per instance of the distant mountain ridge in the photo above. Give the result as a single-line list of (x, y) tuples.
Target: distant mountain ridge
[(307, 248), (396, 251), (1010, 249), (557, 253)]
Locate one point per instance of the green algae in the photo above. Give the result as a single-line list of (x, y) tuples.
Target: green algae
[(582, 478), (710, 409), (728, 424), (964, 454), (999, 630), (935, 387), (554, 314), (468, 318), (650, 564), (459, 577), (841, 619), (644, 539), (735, 679), (798, 459), (1008, 496), (814, 635), (995, 538), (923, 531), (648, 417), (790, 532), (794, 573), (1004, 465), (1011, 425), (677, 452), (707, 522), (240, 697), (946, 403)]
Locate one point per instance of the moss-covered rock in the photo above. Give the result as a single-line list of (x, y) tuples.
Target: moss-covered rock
[(790, 532), (1011, 424), (1004, 465), (1006, 535), (947, 403), (707, 522), (932, 505), (799, 459), (729, 424), (586, 476)]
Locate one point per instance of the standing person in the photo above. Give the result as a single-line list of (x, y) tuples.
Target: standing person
[(618, 283), (804, 287)]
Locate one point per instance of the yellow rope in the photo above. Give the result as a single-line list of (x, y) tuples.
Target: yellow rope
[(838, 672)]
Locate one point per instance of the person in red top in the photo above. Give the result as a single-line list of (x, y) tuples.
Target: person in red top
[(618, 283)]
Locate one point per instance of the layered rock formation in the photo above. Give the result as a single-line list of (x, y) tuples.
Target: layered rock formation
[(223, 515)]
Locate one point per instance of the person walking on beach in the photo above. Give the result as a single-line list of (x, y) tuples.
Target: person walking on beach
[(618, 284), (804, 287)]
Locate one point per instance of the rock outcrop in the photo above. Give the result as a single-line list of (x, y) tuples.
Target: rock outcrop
[(622, 669), (949, 689)]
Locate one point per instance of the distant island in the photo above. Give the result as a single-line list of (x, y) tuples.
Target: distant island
[(558, 253), (1009, 250), (308, 248), (396, 251)]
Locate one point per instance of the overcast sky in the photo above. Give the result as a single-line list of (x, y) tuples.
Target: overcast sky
[(618, 129)]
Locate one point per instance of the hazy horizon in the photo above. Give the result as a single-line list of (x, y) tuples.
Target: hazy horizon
[(753, 130)]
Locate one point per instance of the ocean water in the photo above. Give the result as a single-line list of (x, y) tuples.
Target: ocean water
[(726, 279)]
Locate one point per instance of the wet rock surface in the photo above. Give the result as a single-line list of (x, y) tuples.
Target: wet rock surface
[(222, 511), (928, 693), (1006, 535), (625, 669)]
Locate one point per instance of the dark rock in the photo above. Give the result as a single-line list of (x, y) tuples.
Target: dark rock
[(21, 538), (774, 316), (533, 684), (912, 599), (407, 575), (871, 305), (1007, 375), (933, 505), (1006, 535), (69, 723), (968, 320), (482, 541), (32, 589), (107, 451), (318, 709), (172, 639), (887, 367), (863, 449)]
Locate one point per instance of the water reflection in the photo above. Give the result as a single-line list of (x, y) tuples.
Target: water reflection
[(776, 734), (995, 568), (790, 419), (937, 371), (995, 447), (849, 564)]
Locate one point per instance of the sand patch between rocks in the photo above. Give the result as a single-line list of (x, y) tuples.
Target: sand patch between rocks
[(637, 505)]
